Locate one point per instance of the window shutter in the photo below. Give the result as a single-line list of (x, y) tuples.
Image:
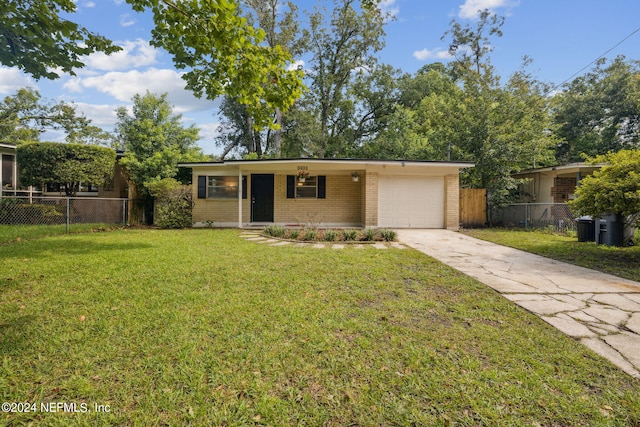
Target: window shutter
[(244, 187), (291, 186), (322, 187), (202, 187)]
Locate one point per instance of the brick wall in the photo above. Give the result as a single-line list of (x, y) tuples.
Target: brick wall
[(561, 189), (370, 200), (342, 205), (223, 212), (451, 202)]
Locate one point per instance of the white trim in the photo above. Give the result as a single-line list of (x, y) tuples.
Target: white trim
[(346, 162)]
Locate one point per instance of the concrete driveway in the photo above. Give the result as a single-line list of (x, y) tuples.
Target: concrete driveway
[(600, 310)]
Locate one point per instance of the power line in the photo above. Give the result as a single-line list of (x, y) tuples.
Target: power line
[(593, 62)]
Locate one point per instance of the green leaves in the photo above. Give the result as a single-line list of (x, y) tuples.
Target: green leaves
[(49, 162), (599, 112), (222, 54), (614, 189), (35, 39), (24, 116), (154, 140)]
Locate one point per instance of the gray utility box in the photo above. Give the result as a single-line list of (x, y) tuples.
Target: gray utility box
[(610, 230)]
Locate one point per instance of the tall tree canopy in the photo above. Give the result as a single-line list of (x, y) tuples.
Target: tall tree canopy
[(68, 164), (25, 116), (341, 43), (37, 40), (154, 141), (223, 54), (279, 21), (502, 128), (599, 112)]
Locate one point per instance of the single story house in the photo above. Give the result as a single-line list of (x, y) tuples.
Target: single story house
[(554, 184), (327, 192)]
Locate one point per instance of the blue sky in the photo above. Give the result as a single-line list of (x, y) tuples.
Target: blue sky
[(561, 36)]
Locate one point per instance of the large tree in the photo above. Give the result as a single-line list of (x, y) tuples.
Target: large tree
[(422, 124), (599, 112), (223, 54), (24, 116), (279, 21), (36, 39), (341, 44), (154, 140), (43, 163), (502, 128)]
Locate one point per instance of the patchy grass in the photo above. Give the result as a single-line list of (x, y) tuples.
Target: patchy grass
[(622, 262), (200, 327), (13, 233)]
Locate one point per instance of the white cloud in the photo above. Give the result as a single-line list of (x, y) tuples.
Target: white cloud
[(470, 8), (136, 53), (89, 4), (426, 54), (389, 7), (100, 114), (209, 131), (12, 79), (124, 85), (297, 65), (126, 20)]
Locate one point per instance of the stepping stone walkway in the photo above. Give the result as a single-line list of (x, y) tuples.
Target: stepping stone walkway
[(257, 237)]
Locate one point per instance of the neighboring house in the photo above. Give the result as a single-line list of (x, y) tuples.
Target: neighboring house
[(118, 188), (8, 168), (335, 193), (10, 175), (555, 184)]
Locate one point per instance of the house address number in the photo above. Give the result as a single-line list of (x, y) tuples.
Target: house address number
[(303, 168)]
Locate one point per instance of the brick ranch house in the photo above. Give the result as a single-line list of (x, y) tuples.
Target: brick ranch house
[(333, 193)]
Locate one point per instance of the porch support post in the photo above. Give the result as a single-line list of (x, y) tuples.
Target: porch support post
[(239, 197)]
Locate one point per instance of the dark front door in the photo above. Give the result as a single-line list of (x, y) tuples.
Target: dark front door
[(262, 198)]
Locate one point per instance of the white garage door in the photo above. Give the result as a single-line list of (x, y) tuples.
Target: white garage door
[(411, 202)]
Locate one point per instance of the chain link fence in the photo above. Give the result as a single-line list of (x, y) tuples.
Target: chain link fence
[(67, 213), (535, 215)]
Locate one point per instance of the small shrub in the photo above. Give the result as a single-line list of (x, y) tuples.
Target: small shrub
[(310, 235), (369, 234), (275, 230), (388, 235), (294, 234), (174, 203), (349, 235), (330, 235)]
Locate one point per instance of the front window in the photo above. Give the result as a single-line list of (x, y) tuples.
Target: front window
[(88, 188), (222, 187), (307, 189)]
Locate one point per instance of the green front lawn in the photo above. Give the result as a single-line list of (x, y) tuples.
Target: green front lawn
[(200, 327), (622, 262), (13, 233)]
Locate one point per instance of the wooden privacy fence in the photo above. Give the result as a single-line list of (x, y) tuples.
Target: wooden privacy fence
[(473, 207)]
